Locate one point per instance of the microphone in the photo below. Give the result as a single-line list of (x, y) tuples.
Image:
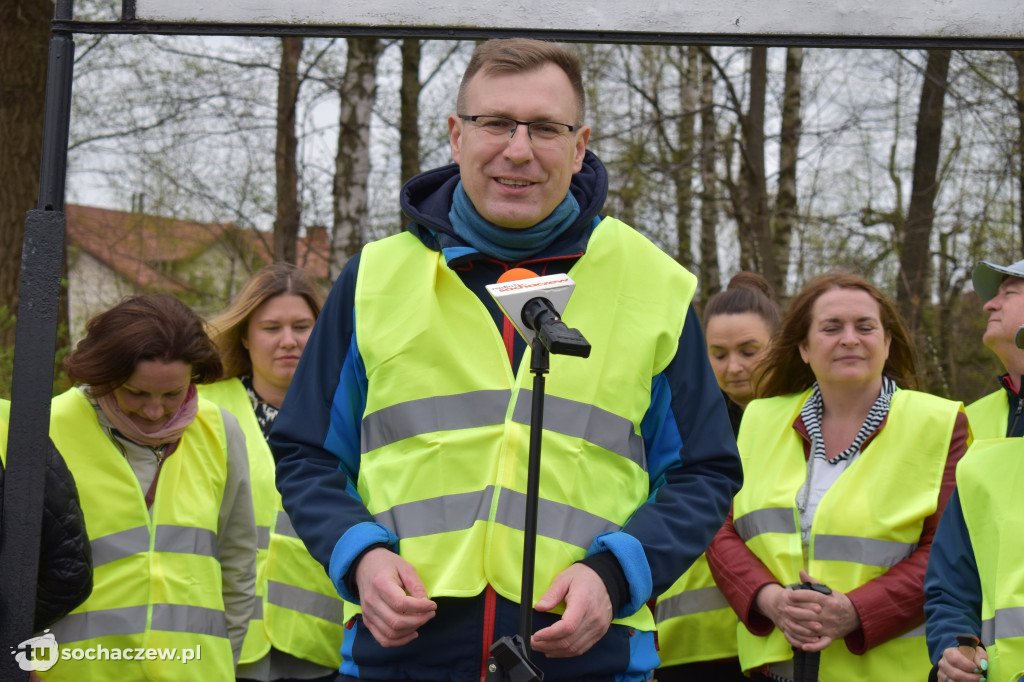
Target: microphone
[(533, 304)]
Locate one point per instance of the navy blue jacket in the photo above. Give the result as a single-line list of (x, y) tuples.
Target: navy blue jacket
[(693, 464), (952, 588)]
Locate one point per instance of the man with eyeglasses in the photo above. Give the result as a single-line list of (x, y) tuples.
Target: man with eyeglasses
[(404, 438)]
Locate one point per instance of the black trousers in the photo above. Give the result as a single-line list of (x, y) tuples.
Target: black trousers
[(704, 671)]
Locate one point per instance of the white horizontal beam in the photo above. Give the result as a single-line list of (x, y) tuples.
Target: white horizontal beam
[(882, 18)]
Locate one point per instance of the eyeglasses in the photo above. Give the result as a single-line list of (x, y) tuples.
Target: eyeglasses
[(541, 133)]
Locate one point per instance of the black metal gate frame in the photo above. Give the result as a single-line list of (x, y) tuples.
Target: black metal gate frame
[(43, 247)]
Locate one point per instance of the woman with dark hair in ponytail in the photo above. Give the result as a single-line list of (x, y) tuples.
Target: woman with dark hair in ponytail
[(696, 626)]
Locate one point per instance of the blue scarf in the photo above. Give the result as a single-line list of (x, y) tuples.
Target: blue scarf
[(506, 244)]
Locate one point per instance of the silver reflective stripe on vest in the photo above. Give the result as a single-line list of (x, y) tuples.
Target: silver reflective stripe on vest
[(119, 545), (283, 526), (460, 511), (438, 514), (193, 619), (305, 601), (554, 519), (262, 537), (427, 415), (775, 520), (75, 627), (186, 540), (590, 423), (690, 603), (1007, 624), (257, 609), (865, 551)]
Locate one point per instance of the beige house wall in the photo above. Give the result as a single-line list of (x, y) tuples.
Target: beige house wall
[(92, 288)]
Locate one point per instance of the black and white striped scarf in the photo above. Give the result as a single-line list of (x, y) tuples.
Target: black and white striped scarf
[(814, 408)]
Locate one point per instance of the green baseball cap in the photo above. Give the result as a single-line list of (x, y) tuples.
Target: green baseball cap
[(988, 276)]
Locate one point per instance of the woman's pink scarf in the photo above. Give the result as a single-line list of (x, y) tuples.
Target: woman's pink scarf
[(168, 433)]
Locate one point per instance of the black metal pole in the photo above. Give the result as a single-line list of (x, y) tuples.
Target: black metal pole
[(539, 365), (32, 380), (510, 656)]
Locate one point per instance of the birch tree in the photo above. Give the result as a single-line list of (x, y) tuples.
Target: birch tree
[(357, 93)]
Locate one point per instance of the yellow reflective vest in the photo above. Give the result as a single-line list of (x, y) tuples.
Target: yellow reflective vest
[(445, 433), (867, 522), (990, 483), (298, 611), (5, 418), (989, 416), (157, 577), (695, 622)]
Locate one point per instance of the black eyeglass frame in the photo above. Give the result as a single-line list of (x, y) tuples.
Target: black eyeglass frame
[(529, 133)]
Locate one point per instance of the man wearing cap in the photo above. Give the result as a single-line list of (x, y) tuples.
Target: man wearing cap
[(1002, 288)]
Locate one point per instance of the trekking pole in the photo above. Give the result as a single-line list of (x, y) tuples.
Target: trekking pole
[(806, 663)]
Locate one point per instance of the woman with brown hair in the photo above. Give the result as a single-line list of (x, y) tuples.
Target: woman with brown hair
[(696, 626), (164, 486), (297, 626), (847, 470)]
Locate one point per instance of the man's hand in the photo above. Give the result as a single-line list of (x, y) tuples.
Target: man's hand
[(392, 596), (588, 613)]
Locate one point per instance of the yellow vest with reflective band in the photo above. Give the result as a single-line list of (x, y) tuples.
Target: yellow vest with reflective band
[(5, 417), (445, 433), (989, 416), (990, 481), (868, 521), (298, 611), (695, 622), (157, 577)]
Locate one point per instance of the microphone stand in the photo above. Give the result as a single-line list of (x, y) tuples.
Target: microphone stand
[(510, 656)]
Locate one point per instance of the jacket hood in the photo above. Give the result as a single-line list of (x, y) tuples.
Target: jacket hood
[(427, 198)]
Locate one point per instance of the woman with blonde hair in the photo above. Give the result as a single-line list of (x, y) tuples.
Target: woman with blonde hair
[(847, 469), (296, 629)]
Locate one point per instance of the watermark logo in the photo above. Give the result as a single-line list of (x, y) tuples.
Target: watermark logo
[(37, 654), (42, 653)]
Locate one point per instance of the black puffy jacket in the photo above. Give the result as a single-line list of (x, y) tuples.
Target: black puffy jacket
[(65, 556)]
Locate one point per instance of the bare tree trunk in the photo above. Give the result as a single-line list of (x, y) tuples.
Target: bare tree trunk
[(736, 192), (1018, 61), (752, 174), (409, 128), (949, 293), (915, 253), (286, 223), (24, 40), (710, 276), (683, 175), (789, 148), (352, 163)]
